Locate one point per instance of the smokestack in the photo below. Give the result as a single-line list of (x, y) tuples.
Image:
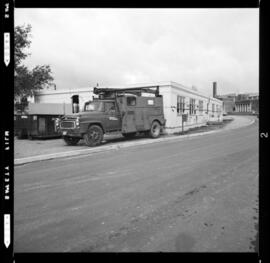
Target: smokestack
[(214, 89)]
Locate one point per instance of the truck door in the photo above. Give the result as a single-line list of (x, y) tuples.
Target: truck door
[(129, 120), (113, 121)]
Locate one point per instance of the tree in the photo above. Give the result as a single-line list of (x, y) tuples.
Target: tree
[(26, 81)]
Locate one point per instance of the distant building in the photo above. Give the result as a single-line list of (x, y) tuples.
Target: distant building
[(228, 102), (245, 103)]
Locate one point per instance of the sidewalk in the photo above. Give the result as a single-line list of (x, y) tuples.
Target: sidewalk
[(27, 148), (35, 150)]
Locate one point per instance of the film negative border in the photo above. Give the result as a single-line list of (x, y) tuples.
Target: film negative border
[(7, 144)]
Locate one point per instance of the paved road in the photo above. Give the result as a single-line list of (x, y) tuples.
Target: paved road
[(199, 194)]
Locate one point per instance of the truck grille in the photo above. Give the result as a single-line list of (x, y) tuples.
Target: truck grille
[(67, 124)]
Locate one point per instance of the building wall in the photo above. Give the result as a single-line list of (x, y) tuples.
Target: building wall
[(64, 96), (50, 108), (199, 118), (255, 105), (228, 105)]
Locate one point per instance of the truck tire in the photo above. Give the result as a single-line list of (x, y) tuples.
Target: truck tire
[(71, 140), (93, 136), (129, 135), (155, 130), (22, 134), (19, 136)]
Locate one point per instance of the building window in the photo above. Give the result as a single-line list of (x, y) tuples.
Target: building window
[(180, 105), (200, 106), (192, 106), (213, 107)]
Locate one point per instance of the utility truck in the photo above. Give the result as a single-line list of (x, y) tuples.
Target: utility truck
[(129, 111)]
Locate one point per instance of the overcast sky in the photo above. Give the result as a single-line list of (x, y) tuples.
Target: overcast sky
[(127, 46)]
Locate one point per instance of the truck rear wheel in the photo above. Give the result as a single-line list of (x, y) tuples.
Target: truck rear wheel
[(71, 140), (129, 135), (93, 136), (155, 130)]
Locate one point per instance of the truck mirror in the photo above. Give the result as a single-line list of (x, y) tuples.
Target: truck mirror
[(110, 110)]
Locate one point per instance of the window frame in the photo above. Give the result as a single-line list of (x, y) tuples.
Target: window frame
[(111, 110), (201, 106), (192, 106), (100, 109), (180, 105), (131, 98), (213, 107)]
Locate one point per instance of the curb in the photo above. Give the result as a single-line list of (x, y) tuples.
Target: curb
[(114, 147)]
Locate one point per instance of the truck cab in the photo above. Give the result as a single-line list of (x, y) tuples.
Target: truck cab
[(126, 112)]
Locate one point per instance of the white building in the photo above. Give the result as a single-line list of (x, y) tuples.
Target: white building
[(178, 100), (63, 96)]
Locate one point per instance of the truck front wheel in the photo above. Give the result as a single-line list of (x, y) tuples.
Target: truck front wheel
[(71, 140), (155, 130), (93, 136)]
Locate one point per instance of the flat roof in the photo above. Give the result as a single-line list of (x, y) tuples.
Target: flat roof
[(180, 86), (136, 85)]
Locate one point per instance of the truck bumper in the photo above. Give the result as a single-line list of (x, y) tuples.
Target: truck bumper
[(71, 133)]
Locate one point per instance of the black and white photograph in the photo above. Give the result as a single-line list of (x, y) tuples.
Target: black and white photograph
[(136, 130)]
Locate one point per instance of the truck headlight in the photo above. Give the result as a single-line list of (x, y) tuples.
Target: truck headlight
[(77, 122), (57, 122)]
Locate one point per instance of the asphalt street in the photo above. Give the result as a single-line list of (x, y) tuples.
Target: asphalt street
[(195, 195)]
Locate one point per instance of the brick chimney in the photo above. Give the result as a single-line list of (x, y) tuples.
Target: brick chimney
[(214, 89)]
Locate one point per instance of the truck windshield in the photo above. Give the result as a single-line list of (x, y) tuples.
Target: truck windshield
[(94, 106)]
